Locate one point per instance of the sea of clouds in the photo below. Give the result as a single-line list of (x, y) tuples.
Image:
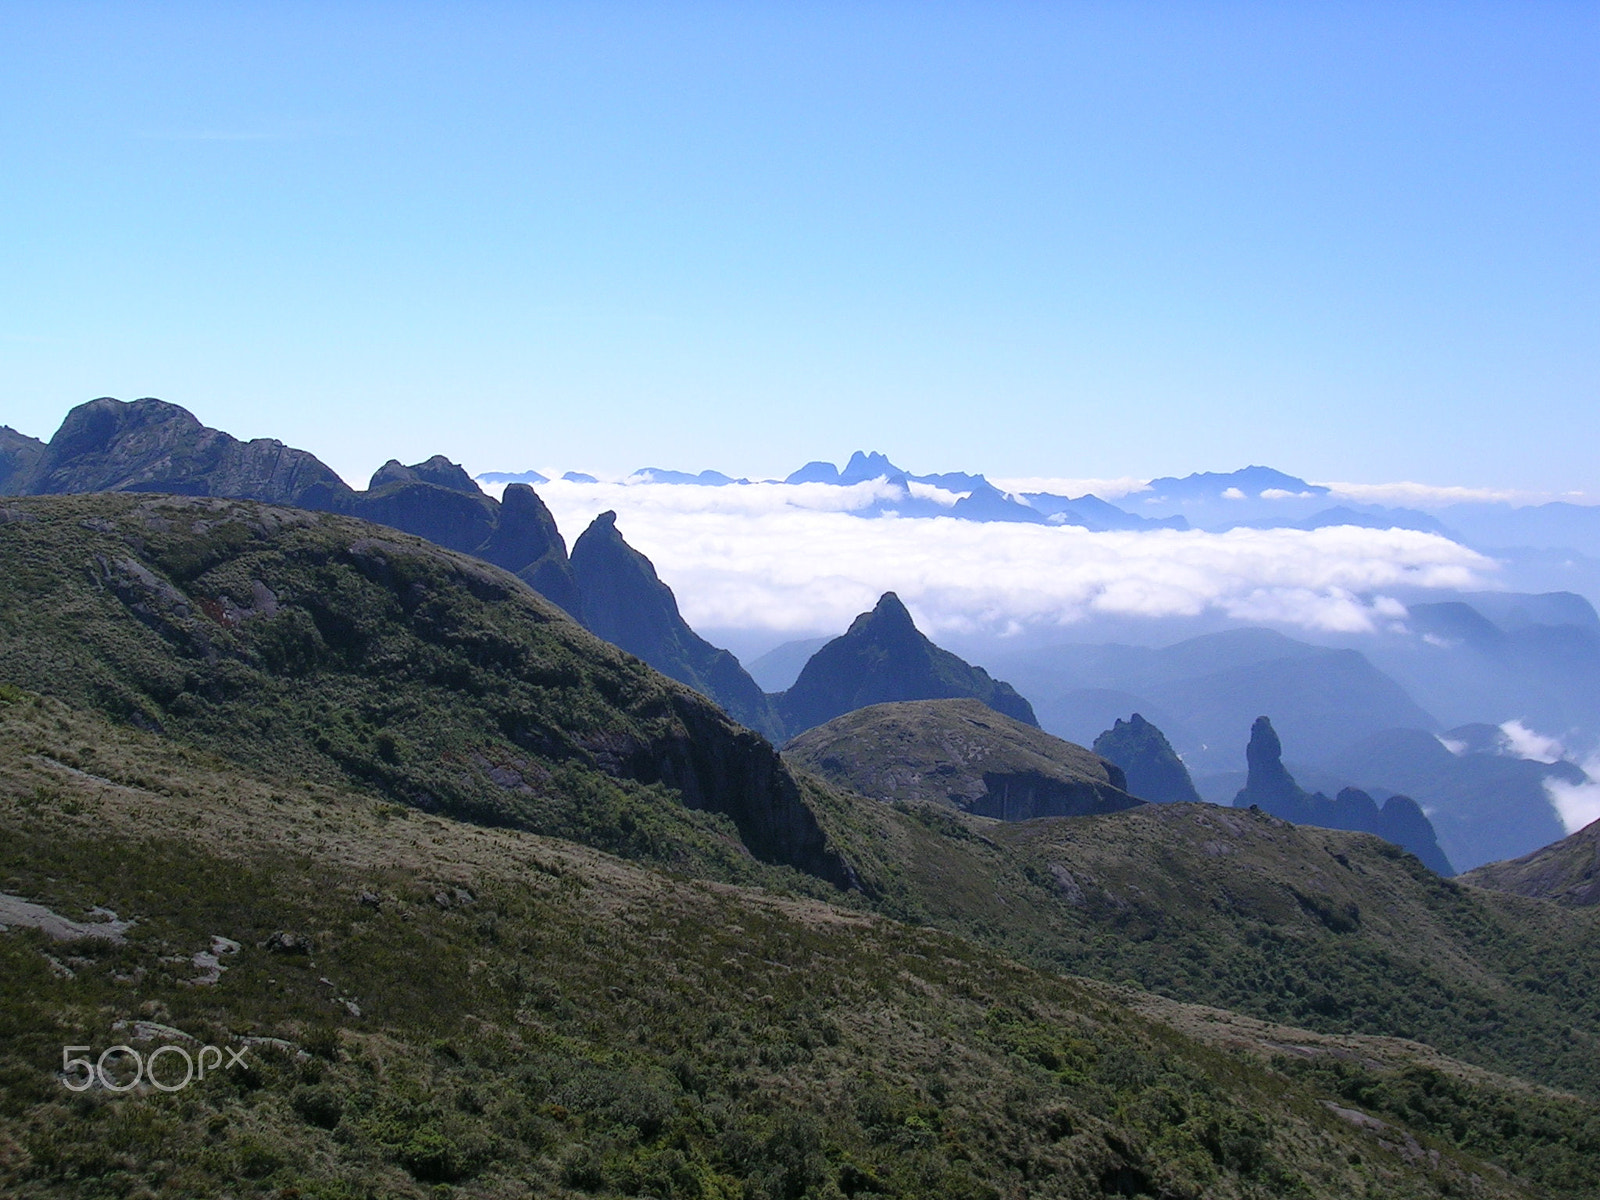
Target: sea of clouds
[(794, 560)]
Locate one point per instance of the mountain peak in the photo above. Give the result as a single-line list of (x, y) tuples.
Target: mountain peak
[(1154, 771), (881, 658), (865, 465)]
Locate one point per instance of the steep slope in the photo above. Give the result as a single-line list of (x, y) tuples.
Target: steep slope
[(19, 459), (1154, 772), (961, 753), (625, 603), (1567, 872), (486, 1013), (883, 658), (1533, 658), (1270, 787), (326, 647), (152, 446)]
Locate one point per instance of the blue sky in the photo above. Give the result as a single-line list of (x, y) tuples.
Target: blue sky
[(1353, 241)]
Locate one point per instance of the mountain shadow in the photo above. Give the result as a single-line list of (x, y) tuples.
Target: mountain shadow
[(881, 658), (628, 605), (1153, 769), (1270, 787)]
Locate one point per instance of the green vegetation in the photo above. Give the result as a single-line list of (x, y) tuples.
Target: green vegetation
[(1327, 929), (322, 648), (397, 779), (493, 1013)]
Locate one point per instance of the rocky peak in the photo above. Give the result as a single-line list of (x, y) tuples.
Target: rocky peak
[(438, 470), (1154, 770), (1268, 780), (881, 658), (865, 466), (625, 602)]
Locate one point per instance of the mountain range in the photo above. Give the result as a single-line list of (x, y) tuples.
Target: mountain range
[(491, 906)]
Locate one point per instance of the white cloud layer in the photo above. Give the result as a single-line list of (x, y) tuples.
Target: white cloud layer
[(1578, 804), (1524, 742), (1106, 489), (792, 560), (1431, 496)]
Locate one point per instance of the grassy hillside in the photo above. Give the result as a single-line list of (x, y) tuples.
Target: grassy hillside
[(1332, 930), (325, 648), (259, 718), (490, 1013)]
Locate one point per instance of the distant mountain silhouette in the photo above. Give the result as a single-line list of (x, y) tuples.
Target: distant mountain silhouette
[(1153, 769), (1212, 485), (779, 667), (1270, 787), (1094, 514), (1204, 689), (703, 478), (882, 658), (1475, 656), (1487, 804), (513, 477), (628, 605)]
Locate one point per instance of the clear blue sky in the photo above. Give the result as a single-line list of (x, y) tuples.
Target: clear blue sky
[(1353, 241)]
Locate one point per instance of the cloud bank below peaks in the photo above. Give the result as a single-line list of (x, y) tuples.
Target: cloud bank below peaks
[(791, 559)]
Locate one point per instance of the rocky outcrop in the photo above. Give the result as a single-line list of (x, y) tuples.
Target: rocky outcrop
[(1270, 787), (151, 446), (883, 658), (1154, 770), (527, 543), (1567, 871), (961, 753), (627, 604), (19, 460)]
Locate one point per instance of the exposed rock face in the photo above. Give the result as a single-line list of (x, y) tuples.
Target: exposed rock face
[(527, 543), (1270, 787), (19, 459), (1567, 871), (1154, 770), (438, 470), (151, 446), (625, 603), (962, 753), (883, 658)]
